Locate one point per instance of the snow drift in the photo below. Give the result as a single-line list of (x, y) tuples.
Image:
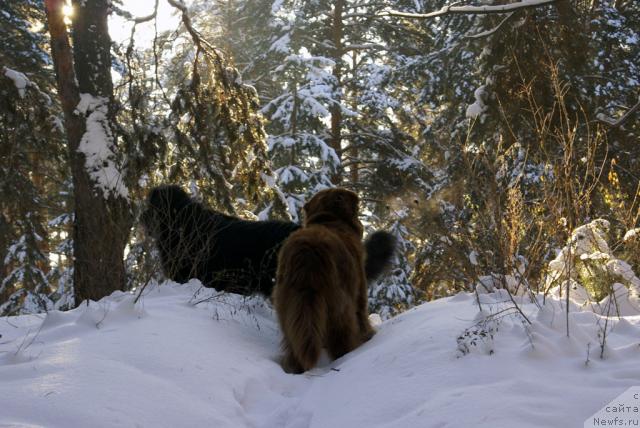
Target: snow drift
[(186, 356)]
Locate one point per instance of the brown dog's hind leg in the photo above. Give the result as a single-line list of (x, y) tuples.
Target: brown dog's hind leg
[(290, 364), (362, 313), (343, 335)]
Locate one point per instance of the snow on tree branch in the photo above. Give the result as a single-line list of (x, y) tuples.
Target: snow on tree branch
[(491, 31), (452, 9), (616, 123), (19, 79)]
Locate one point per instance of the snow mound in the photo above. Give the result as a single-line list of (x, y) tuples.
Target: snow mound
[(188, 356)]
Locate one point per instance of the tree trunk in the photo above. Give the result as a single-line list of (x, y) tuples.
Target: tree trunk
[(4, 249), (354, 149), (91, 47), (336, 111), (102, 221)]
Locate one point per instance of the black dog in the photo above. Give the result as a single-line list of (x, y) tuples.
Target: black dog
[(225, 252)]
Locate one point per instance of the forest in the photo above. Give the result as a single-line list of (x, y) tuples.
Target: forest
[(481, 137), (495, 142)]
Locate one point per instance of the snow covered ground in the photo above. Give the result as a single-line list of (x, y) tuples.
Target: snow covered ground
[(167, 362)]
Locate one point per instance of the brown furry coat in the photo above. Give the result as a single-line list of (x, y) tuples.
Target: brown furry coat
[(321, 290)]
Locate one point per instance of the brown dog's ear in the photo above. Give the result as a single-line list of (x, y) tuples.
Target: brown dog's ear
[(350, 203), (307, 205), (345, 205), (355, 199), (315, 202), (348, 200)]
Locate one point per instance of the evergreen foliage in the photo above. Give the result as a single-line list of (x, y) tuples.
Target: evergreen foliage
[(482, 141), (31, 169)]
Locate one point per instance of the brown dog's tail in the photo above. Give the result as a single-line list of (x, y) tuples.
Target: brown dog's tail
[(306, 273)]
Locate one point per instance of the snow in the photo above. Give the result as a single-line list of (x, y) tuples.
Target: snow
[(291, 173), (276, 6), (632, 233), (453, 9), (473, 258), (588, 244), (97, 144), (281, 45), (478, 107), (19, 80), (271, 183), (168, 362)]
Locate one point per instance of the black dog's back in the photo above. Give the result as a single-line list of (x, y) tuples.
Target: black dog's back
[(226, 252), (245, 254), (222, 251)]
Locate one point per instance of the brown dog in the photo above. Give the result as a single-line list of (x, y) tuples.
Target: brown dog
[(321, 290)]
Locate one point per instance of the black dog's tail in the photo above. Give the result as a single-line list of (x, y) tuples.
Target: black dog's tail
[(380, 247)]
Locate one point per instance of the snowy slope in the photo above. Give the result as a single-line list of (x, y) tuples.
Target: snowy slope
[(169, 363)]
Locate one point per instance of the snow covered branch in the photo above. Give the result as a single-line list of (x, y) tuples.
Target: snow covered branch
[(136, 20), (453, 9), (491, 31), (616, 123)]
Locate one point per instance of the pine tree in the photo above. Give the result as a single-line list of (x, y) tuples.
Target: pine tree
[(102, 217), (328, 95), (30, 154), (394, 293), (486, 77), (23, 39)]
